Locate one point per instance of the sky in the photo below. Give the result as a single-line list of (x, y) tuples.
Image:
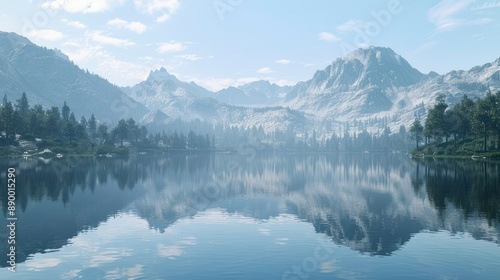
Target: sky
[(222, 43)]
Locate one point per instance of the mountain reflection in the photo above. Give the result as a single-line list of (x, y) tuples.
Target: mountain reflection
[(371, 203)]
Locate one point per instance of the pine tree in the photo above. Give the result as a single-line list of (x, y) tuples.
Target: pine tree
[(102, 133), (436, 124), (121, 131), (92, 124), (416, 131), (65, 112), (484, 116), (8, 120), (22, 107)]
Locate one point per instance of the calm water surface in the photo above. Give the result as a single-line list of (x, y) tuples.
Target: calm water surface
[(272, 216)]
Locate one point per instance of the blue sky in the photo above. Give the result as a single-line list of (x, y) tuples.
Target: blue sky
[(218, 43)]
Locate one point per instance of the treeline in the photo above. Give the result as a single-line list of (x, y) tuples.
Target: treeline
[(59, 129), (464, 122), (347, 141)]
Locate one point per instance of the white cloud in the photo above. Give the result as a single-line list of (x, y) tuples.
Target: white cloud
[(329, 37), (133, 26), (192, 57), (283, 61), (171, 47), (82, 6), (104, 63), (163, 9), (46, 35), (351, 25), (75, 24), (84, 53), (448, 15), (487, 5), (246, 80), (39, 264), (71, 43), (265, 70), (444, 15), (214, 84), (283, 82), (108, 40), (163, 18)]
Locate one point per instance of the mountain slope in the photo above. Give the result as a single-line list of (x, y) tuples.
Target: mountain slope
[(164, 94), (376, 82), (49, 79), (368, 84), (363, 82), (256, 94)]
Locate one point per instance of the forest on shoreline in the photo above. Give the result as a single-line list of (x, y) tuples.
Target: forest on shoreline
[(470, 127), (467, 128)]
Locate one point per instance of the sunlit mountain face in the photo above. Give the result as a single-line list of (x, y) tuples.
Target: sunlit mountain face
[(49, 78)]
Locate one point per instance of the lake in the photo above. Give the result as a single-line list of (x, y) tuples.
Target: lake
[(267, 216)]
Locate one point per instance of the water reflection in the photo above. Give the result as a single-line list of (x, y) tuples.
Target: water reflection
[(373, 204)]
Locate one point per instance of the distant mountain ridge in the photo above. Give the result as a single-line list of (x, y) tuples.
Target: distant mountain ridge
[(376, 82), (256, 94), (49, 78), (368, 83), (169, 98)]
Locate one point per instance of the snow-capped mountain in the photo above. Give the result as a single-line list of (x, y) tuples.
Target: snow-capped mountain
[(164, 92), (361, 83), (377, 82), (368, 83), (165, 95), (49, 78), (255, 94)]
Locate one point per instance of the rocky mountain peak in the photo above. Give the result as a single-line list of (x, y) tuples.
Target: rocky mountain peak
[(160, 75)]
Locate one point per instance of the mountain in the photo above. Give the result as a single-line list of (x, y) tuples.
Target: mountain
[(169, 99), (49, 78), (255, 94), (376, 82), (363, 82), (374, 86), (164, 92)]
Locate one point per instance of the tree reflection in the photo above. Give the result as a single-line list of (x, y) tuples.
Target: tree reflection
[(473, 187), (372, 203)]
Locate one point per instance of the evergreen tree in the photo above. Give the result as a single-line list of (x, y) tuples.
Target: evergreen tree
[(83, 121), (133, 130), (436, 124), (22, 121), (65, 112), (92, 124), (144, 133), (416, 131), (121, 131), (182, 141), (8, 120), (191, 140), (484, 116), (36, 121), (176, 144), (53, 118), (102, 133)]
